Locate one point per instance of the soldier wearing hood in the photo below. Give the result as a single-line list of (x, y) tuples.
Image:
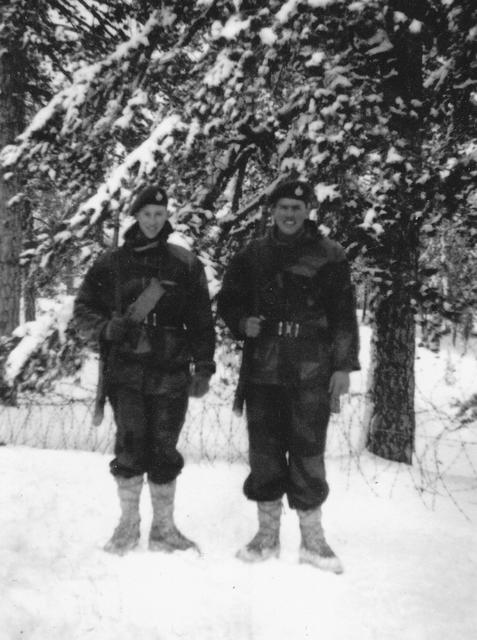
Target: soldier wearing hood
[(288, 295), (146, 304)]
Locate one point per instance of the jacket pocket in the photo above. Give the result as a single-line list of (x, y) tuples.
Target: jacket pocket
[(169, 348), (265, 359), (314, 362)]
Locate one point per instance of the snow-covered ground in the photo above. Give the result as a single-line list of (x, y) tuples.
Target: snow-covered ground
[(406, 534), (410, 571)]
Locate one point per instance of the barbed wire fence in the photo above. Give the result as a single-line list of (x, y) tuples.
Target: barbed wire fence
[(444, 450)]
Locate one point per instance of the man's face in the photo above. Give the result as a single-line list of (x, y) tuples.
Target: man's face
[(151, 218), (289, 215)]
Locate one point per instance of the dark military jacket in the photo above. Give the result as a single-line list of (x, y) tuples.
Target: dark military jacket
[(303, 291), (179, 329)]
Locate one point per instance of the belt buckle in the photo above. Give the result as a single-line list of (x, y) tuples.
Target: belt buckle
[(150, 320), (288, 329), (292, 329)]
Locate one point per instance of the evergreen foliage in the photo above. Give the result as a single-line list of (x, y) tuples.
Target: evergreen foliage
[(219, 99), (373, 101)]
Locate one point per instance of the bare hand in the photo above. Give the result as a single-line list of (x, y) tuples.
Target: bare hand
[(199, 386), (339, 385), (251, 326), (117, 328)]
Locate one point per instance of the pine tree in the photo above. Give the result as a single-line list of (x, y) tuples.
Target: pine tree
[(371, 101), (12, 122), (39, 40)]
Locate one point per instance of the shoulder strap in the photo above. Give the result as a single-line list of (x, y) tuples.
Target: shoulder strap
[(147, 300), (117, 284)]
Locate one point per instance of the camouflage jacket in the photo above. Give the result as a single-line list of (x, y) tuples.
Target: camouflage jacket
[(303, 291), (180, 328)]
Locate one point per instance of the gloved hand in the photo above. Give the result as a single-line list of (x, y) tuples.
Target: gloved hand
[(116, 329), (199, 385), (339, 384)]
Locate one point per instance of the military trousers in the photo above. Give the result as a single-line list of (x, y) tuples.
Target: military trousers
[(148, 425), (287, 438)]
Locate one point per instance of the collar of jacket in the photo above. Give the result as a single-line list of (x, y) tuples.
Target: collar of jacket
[(310, 232), (136, 241)]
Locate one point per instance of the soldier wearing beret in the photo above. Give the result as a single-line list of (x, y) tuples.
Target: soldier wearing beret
[(288, 295), (146, 304)]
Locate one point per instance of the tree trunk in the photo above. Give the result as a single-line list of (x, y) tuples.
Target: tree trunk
[(392, 421), (29, 288), (391, 428), (29, 302), (11, 124), (10, 281)]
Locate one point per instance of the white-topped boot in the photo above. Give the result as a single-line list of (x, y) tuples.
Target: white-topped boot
[(266, 542), (164, 535), (127, 533), (314, 549)]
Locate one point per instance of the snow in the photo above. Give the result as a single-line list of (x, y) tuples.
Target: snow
[(439, 75), (71, 99), (382, 42), (290, 164), (393, 157), (139, 38), (320, 4), (268, 36), (290, 7), (34, 333), (369, 218), (16, 199), (286, 10), (399, 16), (138, 99), (316, 59), (324, 191), (10, 153), (444, 446), (406, 534), (331, 109), (220, 71), (359, 5), (180, 239), (354, 151), (233, 27), (415, 26), (142, 158), (410, 571), (194, 130)]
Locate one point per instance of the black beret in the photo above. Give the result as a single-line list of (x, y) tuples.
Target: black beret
[(153, 194), (296, 189)]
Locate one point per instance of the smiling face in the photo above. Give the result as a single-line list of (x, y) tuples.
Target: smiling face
[(151, 219), (289, 215)]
